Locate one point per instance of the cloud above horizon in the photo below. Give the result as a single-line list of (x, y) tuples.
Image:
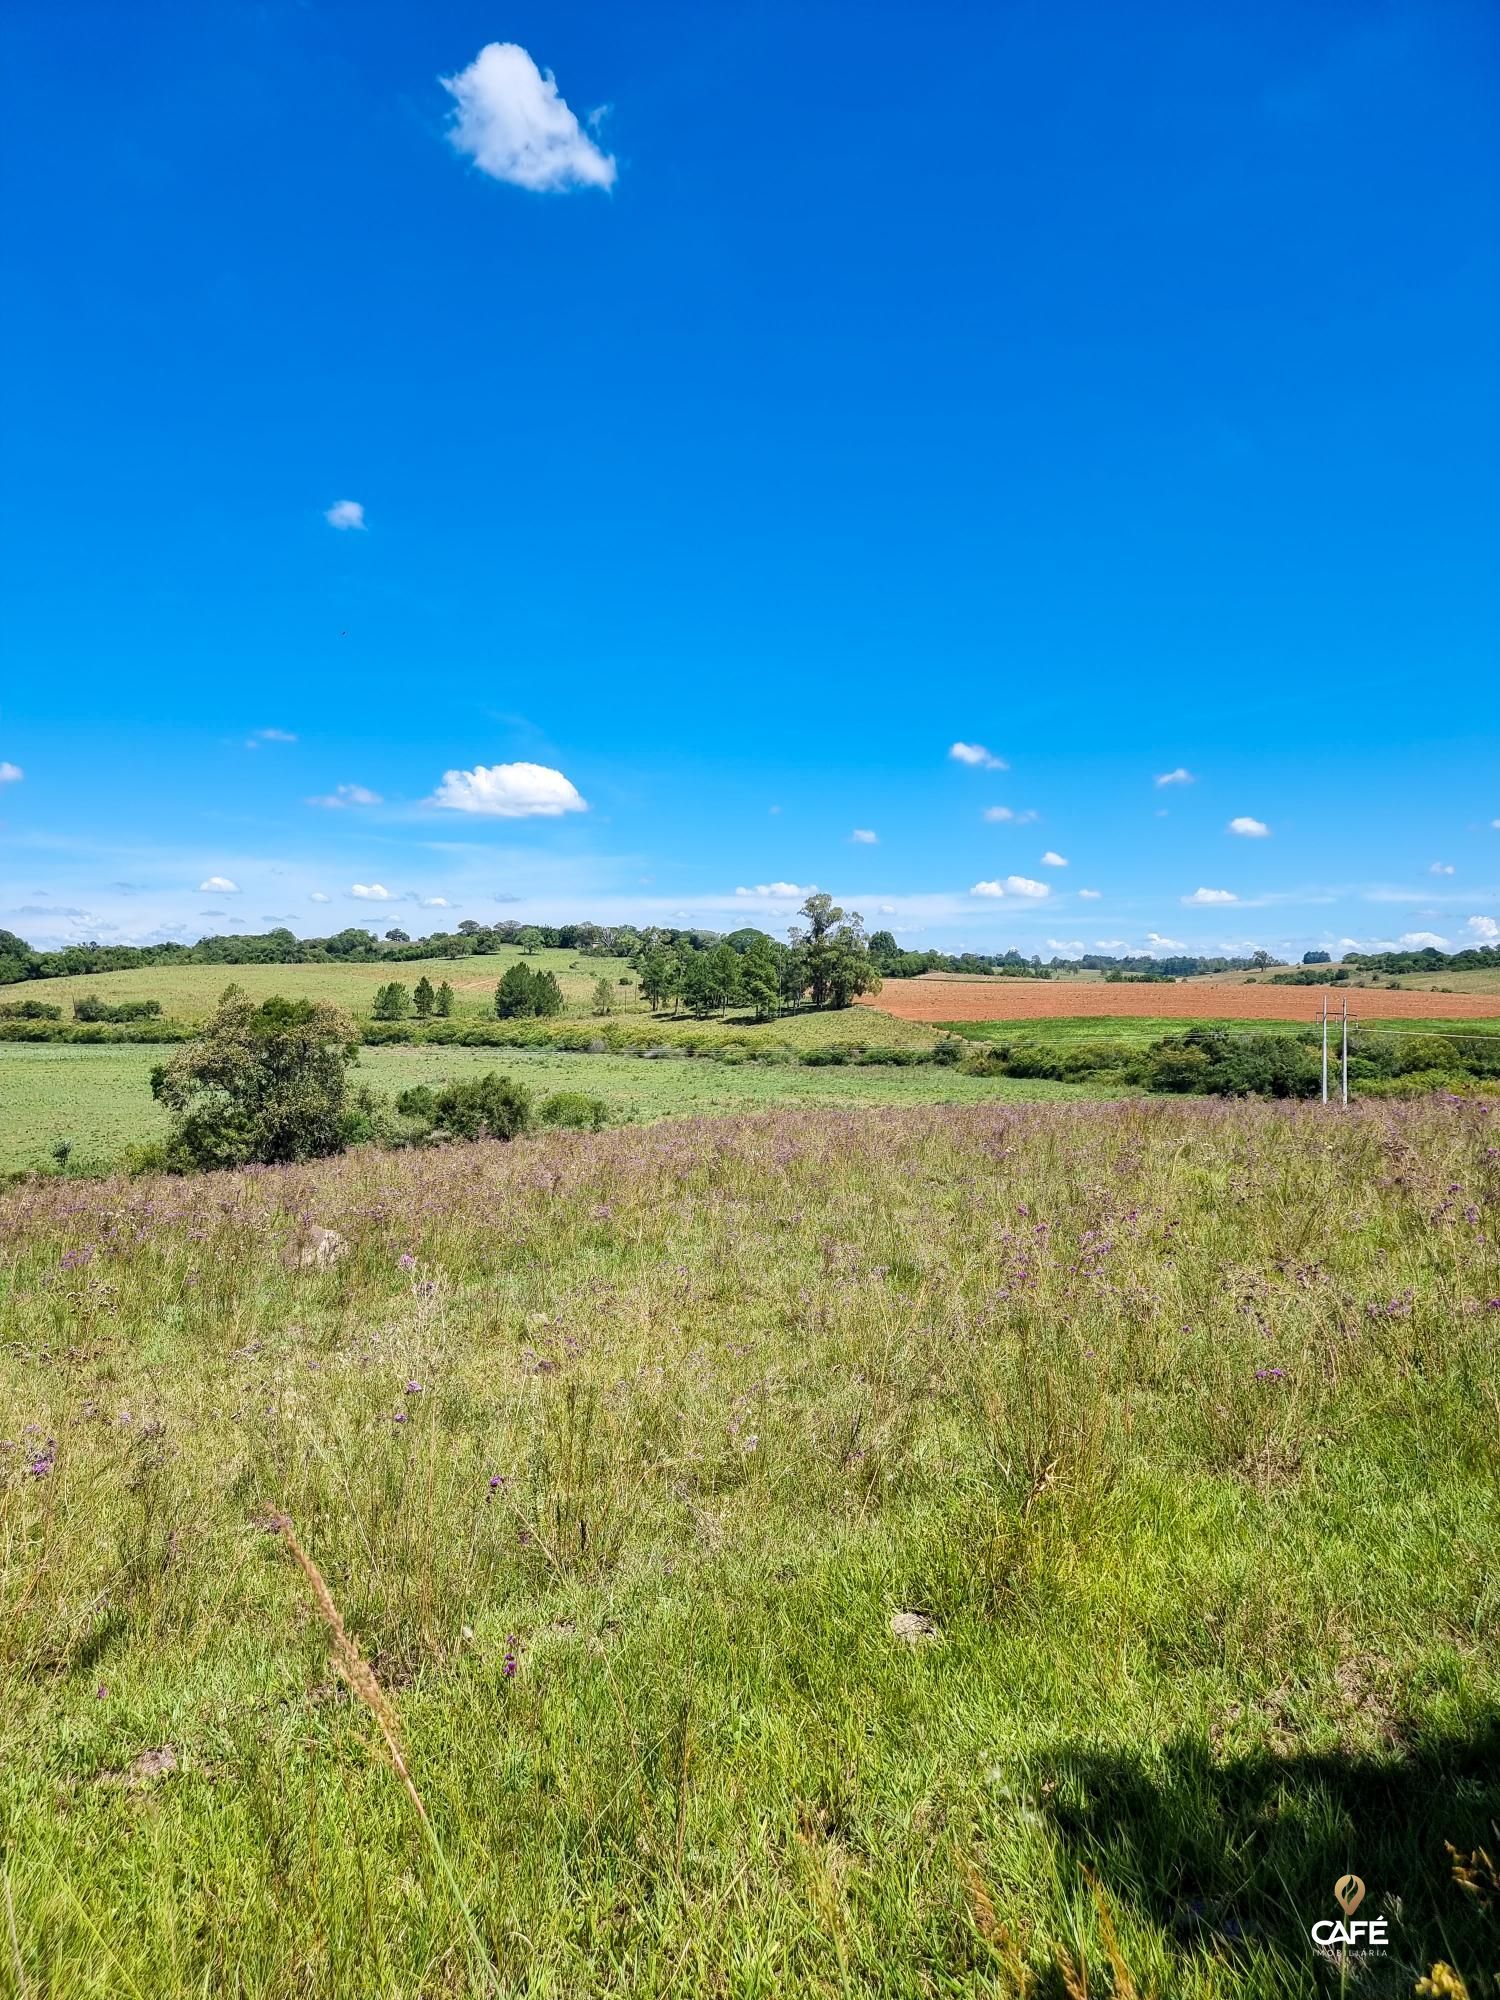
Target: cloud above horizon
[(511, 120), (977, 757), (1201, 897), (1421, 940), (1249, 829), (780, 889), (863, 837), (11, 774), (1008, 816), (509, 791), (370, 892), (1052, 859), (218, 885), (347, 795), (1181, 776), (345, 514), (1013, 885), (1485, 929)]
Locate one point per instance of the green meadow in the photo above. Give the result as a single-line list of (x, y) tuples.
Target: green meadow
[(965, 1550), (98, 1099)]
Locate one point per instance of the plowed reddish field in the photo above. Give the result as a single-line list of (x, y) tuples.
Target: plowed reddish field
[(1051, 999)]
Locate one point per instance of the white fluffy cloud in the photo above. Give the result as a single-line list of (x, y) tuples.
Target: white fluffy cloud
[(1249, 829), (1109, 944), (975, 755), (509, 791), (1441, 868), (1163, 943), (345, 514), (1008, 816), (515, 126), (1091, 895), (1418, 940), (1201, 896), (436, 903), (346, 795), (779, 889), (1065, 944), (1013, 885), (864, 838), (370, 892), (317, 896), (1051, 859), (11, 774), (1180, 776), (1485, 929), (219, 885)]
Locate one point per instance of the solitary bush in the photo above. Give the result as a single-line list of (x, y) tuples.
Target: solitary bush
[(30, 1010), (476, 1107), (261, 1084), (574, 1107), (392, 1003), (92, 1009)]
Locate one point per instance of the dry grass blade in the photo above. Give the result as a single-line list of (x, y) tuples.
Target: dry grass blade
[(360, 1675)]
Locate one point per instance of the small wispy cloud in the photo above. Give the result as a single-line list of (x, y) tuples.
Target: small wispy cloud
[(436, 903), (514, 124), (370, 892), (1008, 816), (317, 896), (1160, 943), (1091, 895), (270, 736), (218, 885), (1181, 776), (345, 514), (977, 757), (1109, 944), (1249, 829), (346, 795), (1051, 859), (1202, 896), (863, 837), (509, 791), (1441, 868), (779, 889), (1065, 944), (11, 774)]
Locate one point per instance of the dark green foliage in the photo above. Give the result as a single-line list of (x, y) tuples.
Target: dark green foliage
[(574, 1107), (423, 998), (513, 996), (604, 997), (263, 1084), (392, 1003), (90, 1009), (546, 994), (30, 1010), (442, 1003), (1317, 958), (481, 1107)]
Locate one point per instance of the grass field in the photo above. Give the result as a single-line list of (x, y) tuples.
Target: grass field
[(99, 1099), (1141, 1029), (1004, 1550), (191, 992)]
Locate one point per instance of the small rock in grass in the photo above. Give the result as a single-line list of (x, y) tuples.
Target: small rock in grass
[(915, 1627), (314, 1250)]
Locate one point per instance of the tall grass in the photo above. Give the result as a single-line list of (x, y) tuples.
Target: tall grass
[(616, 1456)]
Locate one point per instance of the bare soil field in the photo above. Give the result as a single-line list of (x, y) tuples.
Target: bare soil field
[(1052, 999)]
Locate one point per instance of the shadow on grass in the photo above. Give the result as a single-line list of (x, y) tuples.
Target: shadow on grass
[(1238, 1856)]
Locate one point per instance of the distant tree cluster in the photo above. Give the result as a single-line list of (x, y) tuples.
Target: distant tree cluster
[(523, 993), (827, 961)]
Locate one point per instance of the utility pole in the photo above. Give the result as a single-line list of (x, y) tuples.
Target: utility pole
[(1344, 1058), (1325, 1048)]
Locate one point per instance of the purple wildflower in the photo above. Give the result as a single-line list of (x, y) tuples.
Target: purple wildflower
[(406, 1261), (508, 1665)]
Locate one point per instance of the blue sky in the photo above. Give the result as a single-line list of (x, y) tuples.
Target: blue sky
[(792, 394)]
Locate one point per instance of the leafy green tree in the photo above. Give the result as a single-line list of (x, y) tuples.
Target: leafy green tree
[(392, 1003), (263, 1084), (574, 1107), (604, 997), (397, 937), (724, 975), (530, 939), (656, 972), (514, 997), (760, 977), (698, 988), (423, 998), (443, 1001)]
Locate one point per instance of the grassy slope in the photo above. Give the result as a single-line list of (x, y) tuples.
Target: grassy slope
[(1218, 1635), (100, 1098), (190, 992)]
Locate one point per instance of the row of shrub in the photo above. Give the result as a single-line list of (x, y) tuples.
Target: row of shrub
[(1222, 1063)]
